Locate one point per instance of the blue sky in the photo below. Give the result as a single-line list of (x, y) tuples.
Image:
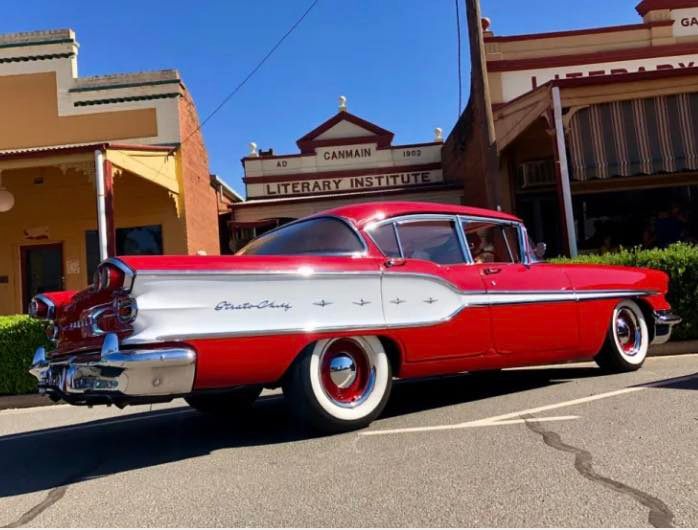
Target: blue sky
[(395, 60)]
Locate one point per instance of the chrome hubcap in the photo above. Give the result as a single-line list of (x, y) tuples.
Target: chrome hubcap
[(628, 332), (342, 371)]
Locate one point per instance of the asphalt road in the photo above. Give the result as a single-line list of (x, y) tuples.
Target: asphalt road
[(552, 446)]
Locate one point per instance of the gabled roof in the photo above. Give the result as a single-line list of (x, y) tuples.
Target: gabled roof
[(344, 128)]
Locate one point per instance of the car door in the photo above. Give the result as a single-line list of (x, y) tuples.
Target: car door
[(423, 289), (533, 308)]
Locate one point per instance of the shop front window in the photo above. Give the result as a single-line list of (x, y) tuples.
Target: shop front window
[(132, 241)]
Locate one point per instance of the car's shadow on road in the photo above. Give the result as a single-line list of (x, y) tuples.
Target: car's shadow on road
[(45, 459)]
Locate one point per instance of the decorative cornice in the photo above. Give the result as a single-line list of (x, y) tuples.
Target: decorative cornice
[(89, 102), (28, 58)]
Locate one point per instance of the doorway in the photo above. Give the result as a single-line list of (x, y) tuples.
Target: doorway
[(42, 270)]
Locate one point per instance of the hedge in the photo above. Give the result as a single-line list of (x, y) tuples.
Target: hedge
[(679, 261), (19, 336)]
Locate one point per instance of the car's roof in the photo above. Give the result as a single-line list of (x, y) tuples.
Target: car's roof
[(366, 212)]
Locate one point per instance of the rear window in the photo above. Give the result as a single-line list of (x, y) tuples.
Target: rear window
[(322, 236)]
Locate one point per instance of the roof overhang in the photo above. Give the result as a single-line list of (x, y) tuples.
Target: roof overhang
[(514, 117), (158, 164)]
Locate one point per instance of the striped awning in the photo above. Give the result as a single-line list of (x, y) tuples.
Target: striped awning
[(635, 137)]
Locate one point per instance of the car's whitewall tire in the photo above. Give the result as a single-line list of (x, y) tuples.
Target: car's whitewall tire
[(340, 383), (627, 341)]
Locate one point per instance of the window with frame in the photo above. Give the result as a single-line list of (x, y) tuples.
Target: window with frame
[(492, 242), (385, 238), (430, 239), (322, 236), (131, 241)]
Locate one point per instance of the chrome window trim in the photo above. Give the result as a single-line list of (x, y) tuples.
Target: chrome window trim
[(362, 253), (519, 226), (416, 218)]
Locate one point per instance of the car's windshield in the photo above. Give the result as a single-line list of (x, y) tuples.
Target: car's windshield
[(321, 236)]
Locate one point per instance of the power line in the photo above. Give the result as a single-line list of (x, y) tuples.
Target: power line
[(252, 72), (460, 75)]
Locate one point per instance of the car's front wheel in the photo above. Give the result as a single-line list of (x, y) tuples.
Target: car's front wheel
[(339, 384), (227, 402), (627, 341)]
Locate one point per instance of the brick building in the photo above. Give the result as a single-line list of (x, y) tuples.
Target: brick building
[(94, 166), (595, 131)]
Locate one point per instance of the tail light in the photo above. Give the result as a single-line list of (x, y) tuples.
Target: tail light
[(109, 278), (113, 275), (41, 307), (125, 310), (52, 331)]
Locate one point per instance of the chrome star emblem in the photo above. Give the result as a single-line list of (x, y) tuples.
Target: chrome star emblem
[(322, 303), (430, 300), (361, 302), (397, 301)]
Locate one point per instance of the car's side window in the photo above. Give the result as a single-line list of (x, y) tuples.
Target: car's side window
[(492, 242), (435, 240), (386, 239)]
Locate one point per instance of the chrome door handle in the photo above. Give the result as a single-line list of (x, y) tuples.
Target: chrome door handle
[(491, 270)]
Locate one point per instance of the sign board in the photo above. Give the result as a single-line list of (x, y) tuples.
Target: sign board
[(685, 22), (518, 82), (330, 185)]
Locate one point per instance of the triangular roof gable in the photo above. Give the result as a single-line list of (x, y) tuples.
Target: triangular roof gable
[(360, 131)]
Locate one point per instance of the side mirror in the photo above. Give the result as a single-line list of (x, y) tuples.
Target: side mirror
[(540, 249)]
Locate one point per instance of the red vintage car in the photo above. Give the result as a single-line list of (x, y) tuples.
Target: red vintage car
[(334, 306)]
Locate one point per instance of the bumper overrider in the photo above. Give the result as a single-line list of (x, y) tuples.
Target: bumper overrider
[(116, 376), (664, 321)]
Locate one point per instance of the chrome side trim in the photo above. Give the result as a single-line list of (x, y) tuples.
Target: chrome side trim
[(301, 273)]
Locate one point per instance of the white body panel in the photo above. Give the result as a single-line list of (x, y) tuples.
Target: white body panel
[(188, 305)]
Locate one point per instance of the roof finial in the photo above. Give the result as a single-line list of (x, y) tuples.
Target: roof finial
[(438, 134), (342, 104), (253, 149)]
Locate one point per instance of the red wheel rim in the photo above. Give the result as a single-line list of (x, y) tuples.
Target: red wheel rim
[(627, 331), (345, 372)]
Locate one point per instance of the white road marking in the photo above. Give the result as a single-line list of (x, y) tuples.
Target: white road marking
[(505, 419)]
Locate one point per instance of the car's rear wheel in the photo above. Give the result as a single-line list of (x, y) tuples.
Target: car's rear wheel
[(339, 384), (627, 341), (232, 401)]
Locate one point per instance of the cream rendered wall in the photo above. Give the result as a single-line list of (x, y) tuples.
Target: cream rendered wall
[(63, 208)]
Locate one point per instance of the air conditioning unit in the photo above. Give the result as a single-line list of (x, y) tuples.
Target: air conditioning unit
[(537, 173)]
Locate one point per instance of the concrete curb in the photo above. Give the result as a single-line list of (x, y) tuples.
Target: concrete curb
[(24, 401), (674, 348)]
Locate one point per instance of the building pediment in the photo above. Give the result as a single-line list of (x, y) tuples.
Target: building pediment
[(344, 128)]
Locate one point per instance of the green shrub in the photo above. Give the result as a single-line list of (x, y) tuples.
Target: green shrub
[(679, 261), (19, 336)]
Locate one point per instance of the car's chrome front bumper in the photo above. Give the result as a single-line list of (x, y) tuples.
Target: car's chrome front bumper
[(664, 322), (114, 374)]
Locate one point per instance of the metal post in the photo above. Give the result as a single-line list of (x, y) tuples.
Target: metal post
[(101, 205), (564, 172)]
